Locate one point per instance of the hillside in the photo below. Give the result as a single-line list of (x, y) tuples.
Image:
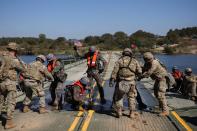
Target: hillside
[(187, 47)]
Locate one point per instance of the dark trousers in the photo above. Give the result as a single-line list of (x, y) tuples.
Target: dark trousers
[(52, 90)]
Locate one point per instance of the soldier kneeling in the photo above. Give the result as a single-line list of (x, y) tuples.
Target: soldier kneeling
[(75, 93), (189, 84)]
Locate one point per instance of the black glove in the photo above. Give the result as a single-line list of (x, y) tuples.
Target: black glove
[(101, 71), (111, 82), (140, 77)]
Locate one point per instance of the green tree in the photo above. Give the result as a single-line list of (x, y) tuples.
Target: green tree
[(172, 36), (121, 39), (42, 38)]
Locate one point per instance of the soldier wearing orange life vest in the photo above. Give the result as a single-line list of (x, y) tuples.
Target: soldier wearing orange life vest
[(75, 93), (93, 58), (178, 76), (57, 70)]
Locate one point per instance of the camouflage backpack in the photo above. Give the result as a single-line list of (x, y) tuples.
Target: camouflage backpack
[(59, 72)]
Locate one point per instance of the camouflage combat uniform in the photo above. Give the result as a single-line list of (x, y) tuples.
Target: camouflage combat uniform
[(189, 85), (77, 98), (75, 93), (56, 87), (125, 71), (8, 83), (11, 66), (33, 82), (93, 73), (158, 73)]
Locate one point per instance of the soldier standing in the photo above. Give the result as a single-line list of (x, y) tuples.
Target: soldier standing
[(153, 68), (189, 84), (56, 68), (33, 81), (124, 73), (96, 65), (93, 59), (10, 67)]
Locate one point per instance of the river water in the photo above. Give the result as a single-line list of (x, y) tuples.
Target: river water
[(181, 61)]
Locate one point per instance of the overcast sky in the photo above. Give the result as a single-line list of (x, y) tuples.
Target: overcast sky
[(80, 18)]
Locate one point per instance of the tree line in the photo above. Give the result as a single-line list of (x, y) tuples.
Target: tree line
[(119, 40)]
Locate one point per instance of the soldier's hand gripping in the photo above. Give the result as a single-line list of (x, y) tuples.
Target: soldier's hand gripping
[(111, 82)]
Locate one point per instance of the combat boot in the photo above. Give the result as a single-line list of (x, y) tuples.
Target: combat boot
[(9, 124), (164, 113), (119, 112), (42, 110), (26, 109)]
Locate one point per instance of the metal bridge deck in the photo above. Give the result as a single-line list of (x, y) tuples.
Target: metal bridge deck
[(99, 119)]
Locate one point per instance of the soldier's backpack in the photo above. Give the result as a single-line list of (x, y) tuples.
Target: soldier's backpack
[(59, 72)]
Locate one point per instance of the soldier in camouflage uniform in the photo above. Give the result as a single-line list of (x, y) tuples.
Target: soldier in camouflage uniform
[(93, 72), (94, 58), (33, 81), (153, 68), (189, 84), (56, 68), (75, 93), (124, 73), (10, 67)]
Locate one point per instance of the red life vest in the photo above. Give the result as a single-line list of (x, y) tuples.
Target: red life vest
[(51, 65), (78, 83), (177, 74), (92, 62)]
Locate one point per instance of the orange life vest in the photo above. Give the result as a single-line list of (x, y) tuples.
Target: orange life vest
[(78, 83), (51, 65), (177, 74), (92, 62)]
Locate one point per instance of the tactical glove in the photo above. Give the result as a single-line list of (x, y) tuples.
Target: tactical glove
[(140, 77), (101, 71), (111, 82)]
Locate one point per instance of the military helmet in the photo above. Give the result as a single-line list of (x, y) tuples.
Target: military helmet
[(12, 46), (50, 57), (148, 56), (92, 49), (188, 70), (127, 51), (85, 81), (174, 68), (42, 57)]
